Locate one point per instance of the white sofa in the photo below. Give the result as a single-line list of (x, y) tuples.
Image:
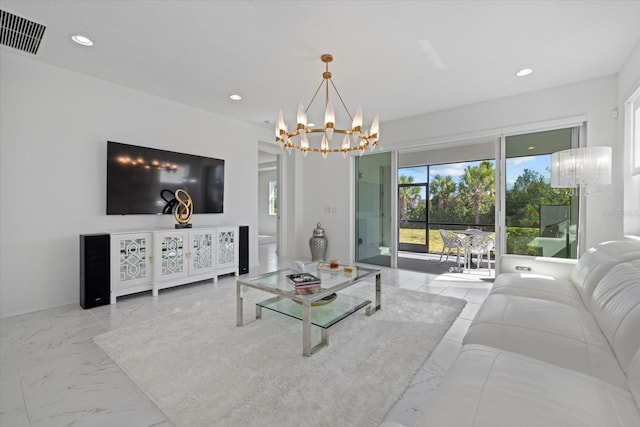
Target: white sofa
[(556, 343)]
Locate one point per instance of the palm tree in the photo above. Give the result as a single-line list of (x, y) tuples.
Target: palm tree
[(406, 194), (479, 183), (441, 189)]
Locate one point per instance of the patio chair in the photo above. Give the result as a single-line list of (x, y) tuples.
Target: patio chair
[(470, 231), (478, 245), (451, 241)]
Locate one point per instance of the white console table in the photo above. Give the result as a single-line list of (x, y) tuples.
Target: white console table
[(159, 259)]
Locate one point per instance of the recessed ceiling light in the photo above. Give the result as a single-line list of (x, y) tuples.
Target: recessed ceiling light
[(84, 41), (531, 147), (235, 97), (524, 72)]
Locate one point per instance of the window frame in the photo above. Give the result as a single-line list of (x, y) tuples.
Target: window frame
[(632, 118), (273, 197)]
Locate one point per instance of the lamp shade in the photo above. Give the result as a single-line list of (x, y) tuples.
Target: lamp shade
[(584, 166)]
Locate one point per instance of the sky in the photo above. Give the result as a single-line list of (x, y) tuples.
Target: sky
[(515, 167)]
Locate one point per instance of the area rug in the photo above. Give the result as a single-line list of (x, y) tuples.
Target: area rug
[(202, 370)]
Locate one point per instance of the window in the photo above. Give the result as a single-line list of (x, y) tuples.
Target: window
[(633, 129), (540, 220), (273, 197), (452, 196)]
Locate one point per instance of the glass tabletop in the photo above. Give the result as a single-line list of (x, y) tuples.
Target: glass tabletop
[(325, 315), (331, 280)]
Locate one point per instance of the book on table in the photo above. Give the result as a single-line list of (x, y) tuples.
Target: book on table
[(305, 282), (301, 279)]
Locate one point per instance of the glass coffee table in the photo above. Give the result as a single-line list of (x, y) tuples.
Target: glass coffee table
[(322, 309)]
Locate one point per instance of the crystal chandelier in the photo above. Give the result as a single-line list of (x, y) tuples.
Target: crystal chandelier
[(354, 138)]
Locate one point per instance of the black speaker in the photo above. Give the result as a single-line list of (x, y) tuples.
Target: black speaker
[(243, 250), (95, 273)]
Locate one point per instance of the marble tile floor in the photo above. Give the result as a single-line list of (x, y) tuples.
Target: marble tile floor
[(52, 374)]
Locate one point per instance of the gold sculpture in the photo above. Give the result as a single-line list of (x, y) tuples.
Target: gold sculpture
[(184, 207)]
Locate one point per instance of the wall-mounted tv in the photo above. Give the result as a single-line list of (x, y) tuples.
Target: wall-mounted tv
[(138, 176)]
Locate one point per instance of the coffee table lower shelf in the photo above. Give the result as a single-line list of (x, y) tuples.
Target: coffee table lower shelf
[(324, 316)]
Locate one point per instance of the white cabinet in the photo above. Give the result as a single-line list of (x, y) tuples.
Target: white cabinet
[(227, 250), (182, 256), (169, 255), (202, 252), (130, 263), (154, 260)]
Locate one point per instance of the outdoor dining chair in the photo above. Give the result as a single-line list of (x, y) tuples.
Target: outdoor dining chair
[(451, 241), (478, 245)]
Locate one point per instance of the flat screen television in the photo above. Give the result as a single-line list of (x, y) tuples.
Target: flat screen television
[(142, 180)]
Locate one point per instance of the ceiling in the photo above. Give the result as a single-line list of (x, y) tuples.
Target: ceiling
[(396, 58)]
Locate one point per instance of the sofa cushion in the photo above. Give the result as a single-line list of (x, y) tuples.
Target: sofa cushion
[(491, 387), (547, 278), (546, 330), (537, 286), (615, 304), (598, 261)]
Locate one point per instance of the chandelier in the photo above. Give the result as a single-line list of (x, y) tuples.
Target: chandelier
[(354, 139)]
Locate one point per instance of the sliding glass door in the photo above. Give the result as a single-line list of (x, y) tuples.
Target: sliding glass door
[(412, 211), (373, 209), (539, 220), (458, 188), (448, 196)]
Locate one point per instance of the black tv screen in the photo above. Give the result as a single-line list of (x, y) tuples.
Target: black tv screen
[(142, 180)]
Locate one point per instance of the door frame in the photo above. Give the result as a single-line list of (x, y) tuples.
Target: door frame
[(579, 139), (281, 173)]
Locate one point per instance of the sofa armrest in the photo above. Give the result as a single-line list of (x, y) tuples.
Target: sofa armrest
[(560, 268)]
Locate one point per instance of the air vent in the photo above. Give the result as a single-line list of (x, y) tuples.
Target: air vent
[(20, 33)]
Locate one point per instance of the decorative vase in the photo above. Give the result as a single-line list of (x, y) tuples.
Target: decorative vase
[(318, 244)]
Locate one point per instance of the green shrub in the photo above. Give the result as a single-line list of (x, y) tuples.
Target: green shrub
[(518, 239)]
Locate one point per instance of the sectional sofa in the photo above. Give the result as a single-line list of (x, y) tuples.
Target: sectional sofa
[(556, 343)]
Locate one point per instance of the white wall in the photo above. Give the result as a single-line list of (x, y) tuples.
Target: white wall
[(53, 133), (595, 99), (326, 200), (628, 82), (267, 224)]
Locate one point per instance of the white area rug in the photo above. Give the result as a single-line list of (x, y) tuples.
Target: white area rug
[(202, 370)]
